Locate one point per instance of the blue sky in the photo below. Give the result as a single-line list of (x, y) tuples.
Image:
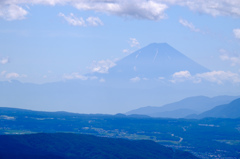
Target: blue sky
[(50, 40)]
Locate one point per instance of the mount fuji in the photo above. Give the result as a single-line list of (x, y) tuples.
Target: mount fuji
[(140, 79), (157, 60)]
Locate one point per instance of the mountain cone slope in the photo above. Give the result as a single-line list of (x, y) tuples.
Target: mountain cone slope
[(153, 61)]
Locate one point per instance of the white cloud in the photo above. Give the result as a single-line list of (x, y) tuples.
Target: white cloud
[(135, 79), (218, 77), (188, 25), (11, 11), (73, 20), (3, 73), (12, 75), (226, 56), (79, 21), (213, 7), (76, 75), (102, 80), (181, 76), (94, 21), (125, 51), (236, 33), (93, 77), (161, 78), (134, 42), (135, 68), (138, 9), (4, 60), (102, 66)]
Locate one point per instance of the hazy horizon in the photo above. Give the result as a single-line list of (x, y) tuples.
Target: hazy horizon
[(115, 56)]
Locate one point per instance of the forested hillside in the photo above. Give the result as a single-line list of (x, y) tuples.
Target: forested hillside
[(78, 146)]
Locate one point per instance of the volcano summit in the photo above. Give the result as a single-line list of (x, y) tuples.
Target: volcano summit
[(153, 61)]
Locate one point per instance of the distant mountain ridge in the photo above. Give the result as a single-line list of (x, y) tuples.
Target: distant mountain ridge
[(13, 112), (185, 107), (231, 110)]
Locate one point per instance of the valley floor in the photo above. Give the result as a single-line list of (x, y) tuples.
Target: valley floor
[(205, 138)]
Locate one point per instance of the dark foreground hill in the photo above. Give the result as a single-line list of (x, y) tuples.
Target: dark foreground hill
[(71, 146)]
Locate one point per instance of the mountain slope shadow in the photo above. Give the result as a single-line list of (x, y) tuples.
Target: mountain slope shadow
[(73, 146)]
